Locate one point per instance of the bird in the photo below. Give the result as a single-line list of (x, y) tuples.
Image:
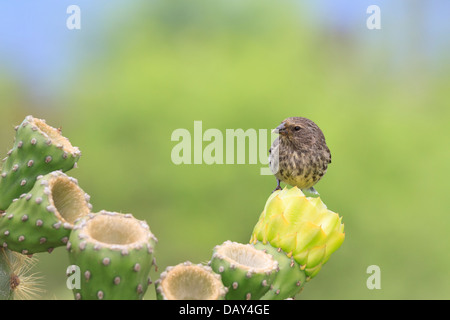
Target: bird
[(299, 156)]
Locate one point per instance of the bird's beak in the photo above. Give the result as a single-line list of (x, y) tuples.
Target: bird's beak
[(281, 129)]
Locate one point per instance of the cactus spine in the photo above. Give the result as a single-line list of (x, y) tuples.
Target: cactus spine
[(15, 280), (38, 149), (115, 253), (246, 271), (187, 281), (6, 276)]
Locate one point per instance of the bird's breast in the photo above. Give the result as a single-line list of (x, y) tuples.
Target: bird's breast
[(302, 169)]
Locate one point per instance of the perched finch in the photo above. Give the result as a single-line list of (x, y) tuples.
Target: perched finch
[(299, 156)]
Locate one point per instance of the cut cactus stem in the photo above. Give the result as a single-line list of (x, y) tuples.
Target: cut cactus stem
[(246, 271), (43, 218), (38, 150), (114, 252), (303, 227), (187, 281), (290, 278)]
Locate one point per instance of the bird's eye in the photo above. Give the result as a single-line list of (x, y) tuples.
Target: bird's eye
[(297, 128)]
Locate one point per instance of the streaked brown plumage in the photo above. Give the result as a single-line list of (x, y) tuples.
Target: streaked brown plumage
[(299, 156)]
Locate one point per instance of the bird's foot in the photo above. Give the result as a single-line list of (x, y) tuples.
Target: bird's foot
[(277, 188), (311, 192)]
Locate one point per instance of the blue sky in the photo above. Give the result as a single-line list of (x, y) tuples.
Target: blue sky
[(36, 46)]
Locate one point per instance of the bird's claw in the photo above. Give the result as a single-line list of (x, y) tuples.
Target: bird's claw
[(311, 192), (277, 188)]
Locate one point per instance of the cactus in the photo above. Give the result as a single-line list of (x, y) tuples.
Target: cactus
[(304, 229), (187, 281), (42, 208), (38, 150), (42, 219), (247, 272), (290, 278), (114, 252), (16, 282), (7, 278)]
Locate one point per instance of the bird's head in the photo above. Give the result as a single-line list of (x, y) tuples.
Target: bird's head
[(299, 130)]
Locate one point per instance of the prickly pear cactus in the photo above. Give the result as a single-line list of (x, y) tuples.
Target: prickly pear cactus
[(246, 271), (38, 149), (114, 252), (290, 278), (187, 281), (303, 229), (42, 219)]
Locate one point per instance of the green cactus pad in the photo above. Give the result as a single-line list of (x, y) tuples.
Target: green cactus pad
[(290, 278), (187, 281), (246, 271), (38, 150), (114, 252), (43, 218)]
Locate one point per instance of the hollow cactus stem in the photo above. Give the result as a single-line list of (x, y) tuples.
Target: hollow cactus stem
[(38, 150), (187, 281), (114, 252), (43, 218), (246, 271)]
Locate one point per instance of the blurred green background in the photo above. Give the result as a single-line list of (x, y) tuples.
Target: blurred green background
[(136, 72)]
